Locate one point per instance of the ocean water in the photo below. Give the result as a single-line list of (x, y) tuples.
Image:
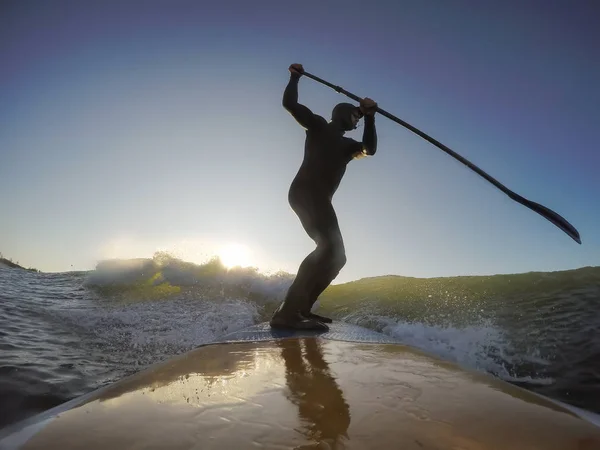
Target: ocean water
[(65, 334)]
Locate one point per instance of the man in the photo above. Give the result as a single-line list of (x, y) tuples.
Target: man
[(326, 154)]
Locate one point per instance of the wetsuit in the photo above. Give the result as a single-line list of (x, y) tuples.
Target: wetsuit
[(326, 154)]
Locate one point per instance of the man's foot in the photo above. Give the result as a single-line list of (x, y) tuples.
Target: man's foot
[(311, 315), (297, 322)]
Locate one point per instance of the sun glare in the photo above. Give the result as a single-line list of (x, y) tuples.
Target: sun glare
[(234, 255)]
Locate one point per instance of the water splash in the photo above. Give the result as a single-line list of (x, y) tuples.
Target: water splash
[(482, 346)]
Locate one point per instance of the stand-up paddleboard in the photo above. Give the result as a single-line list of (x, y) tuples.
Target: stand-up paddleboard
[(347, 388)]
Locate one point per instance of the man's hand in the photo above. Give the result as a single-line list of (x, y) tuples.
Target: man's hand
[(296, 69), (367, 106)]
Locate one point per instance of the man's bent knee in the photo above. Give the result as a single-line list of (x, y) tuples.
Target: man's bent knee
[(339, 260), (333, 256)]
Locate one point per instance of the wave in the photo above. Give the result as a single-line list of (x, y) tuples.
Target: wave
[(164, 276)]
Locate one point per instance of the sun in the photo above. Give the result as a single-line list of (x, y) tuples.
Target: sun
[(235, 255)]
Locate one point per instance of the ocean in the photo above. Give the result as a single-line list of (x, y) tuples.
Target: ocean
[(65, 334)]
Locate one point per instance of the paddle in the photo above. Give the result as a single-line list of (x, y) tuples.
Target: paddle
[(553, 217)]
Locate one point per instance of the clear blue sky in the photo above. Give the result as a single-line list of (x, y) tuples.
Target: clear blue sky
[(128, 127)]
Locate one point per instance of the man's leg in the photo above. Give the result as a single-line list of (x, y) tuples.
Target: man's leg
[(336, 259), (330, 259), (321, 284), (288, 314)]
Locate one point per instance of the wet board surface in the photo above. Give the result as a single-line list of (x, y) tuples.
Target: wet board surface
[(349, 388), (338, 331)]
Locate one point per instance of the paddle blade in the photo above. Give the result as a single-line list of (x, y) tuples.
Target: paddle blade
[(553, 217)]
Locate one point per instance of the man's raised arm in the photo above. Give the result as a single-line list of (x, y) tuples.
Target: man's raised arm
[(369, 140), (301, 113)]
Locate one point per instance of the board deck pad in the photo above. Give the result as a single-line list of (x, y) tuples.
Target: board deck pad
[(349, 388)]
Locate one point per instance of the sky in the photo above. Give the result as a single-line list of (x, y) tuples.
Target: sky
[(133, 127)]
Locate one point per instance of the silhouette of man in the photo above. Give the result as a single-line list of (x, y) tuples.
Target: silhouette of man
[(326, 154)]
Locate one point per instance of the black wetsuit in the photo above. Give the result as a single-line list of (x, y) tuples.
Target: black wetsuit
[(326, 154)]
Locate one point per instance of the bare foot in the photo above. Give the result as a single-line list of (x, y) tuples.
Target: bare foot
[(311, 315), (297, 322)]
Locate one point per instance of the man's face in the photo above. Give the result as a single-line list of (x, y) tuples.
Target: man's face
[(355, 117)]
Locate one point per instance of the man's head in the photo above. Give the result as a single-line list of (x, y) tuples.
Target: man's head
[(346, 116)]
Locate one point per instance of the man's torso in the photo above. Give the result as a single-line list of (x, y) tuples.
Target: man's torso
[(326, 155)]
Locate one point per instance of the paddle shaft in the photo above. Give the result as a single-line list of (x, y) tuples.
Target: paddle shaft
[(419, 133)]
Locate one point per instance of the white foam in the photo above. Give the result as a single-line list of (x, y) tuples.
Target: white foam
[(482, 347)]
